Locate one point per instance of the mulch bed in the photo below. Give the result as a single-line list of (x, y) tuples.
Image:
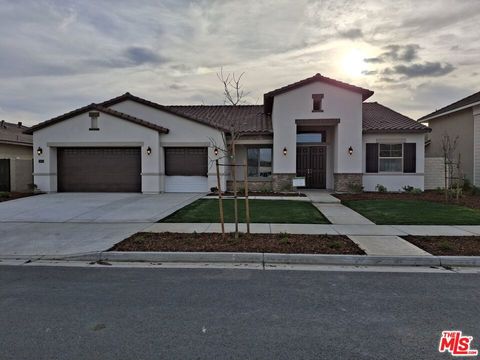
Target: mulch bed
[(470, 201), (270, 243), (14, 195), (259, 193), (447, 245)]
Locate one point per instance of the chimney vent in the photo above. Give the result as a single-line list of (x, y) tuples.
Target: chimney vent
[(19, 124)]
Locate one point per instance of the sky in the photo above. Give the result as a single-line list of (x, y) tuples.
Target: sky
[(56, 56)]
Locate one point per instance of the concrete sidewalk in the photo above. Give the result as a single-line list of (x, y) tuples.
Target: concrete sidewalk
[(347, 229), (339, 214), (381, 240)]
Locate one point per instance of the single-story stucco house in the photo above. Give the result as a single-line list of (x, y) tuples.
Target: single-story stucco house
[(16, 158), (318, 128), (460, 119)]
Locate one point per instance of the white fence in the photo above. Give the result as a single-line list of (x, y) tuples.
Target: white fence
[(434, 173)]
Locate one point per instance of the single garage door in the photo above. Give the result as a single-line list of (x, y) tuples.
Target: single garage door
[(92, 169), (186, 169)]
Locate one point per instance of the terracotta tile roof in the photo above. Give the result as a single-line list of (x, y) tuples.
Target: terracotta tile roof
[(251, 119), (100, 108), (469, 100), (268, 97), (168, 109), (381, 119), (13, 134), (247, 118)]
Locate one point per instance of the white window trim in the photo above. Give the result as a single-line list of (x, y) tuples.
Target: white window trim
[(390, 157)]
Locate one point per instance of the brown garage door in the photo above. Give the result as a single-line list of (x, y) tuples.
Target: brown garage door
[(99, 169), (186, 161)]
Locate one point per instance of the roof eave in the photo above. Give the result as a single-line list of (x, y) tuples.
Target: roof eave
[(398, 131), (432, 116)]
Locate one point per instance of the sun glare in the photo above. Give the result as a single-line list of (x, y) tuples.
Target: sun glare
[(352, 63)]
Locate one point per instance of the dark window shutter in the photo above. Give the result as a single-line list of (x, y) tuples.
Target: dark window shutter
[(409, 157), (372, 158)]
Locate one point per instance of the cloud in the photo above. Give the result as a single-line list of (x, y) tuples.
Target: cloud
[(428, 69), (352, 34), (141, 55), (396, 53), (170, 50)]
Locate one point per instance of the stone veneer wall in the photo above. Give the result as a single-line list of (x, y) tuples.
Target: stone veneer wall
[(282, 182), (252, 185), (279, 183), (344, 182)]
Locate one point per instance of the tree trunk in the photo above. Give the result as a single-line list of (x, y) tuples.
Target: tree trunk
[(220, 200), (235, 200), (247, 206)]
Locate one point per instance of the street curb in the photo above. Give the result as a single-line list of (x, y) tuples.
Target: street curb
[(459, 260), (187, 257), (266, 259), (312, 259)]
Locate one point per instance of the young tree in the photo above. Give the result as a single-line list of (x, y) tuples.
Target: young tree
[(234, 95), (448, 149)]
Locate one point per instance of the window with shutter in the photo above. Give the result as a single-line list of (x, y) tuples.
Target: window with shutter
[(409, 158), (372, 158)]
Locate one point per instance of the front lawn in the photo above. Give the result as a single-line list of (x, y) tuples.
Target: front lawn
[(261, 211), (258, 243), (414, 212)]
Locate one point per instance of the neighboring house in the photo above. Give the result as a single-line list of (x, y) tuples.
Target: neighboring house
[(460, 119), (15, 158), (317, 128)]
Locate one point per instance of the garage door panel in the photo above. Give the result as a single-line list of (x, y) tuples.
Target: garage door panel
[(186, 161), (186, 169), (99, 169), (194, 184)]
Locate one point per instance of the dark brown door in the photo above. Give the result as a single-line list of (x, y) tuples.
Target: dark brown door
[(311, 164), (4, 174), (99, 169)]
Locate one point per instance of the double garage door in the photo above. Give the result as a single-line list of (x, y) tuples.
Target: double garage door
[(91, 169), (99, 169)]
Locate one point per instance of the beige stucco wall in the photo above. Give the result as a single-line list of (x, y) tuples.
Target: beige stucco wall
[(395, 181), (10, 151), (337, 103), (118, 132), (456, 124), (20, 165), (182, 132)]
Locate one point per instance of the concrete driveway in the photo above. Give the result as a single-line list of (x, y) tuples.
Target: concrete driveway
[(75, 223)]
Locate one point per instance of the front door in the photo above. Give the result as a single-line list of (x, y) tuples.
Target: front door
[(311, 164)]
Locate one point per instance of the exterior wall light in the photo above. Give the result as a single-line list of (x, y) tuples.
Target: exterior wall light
[(285, 151), (215, 151), (39, 151), (350, 151), (149, 150)]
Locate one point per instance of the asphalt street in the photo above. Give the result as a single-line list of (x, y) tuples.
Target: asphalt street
[(127, 313)]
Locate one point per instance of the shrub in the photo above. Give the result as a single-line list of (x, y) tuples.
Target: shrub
[(284, 238), (445, 246), (412, 190), (475, 190), (354, 187), (381, 188)]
